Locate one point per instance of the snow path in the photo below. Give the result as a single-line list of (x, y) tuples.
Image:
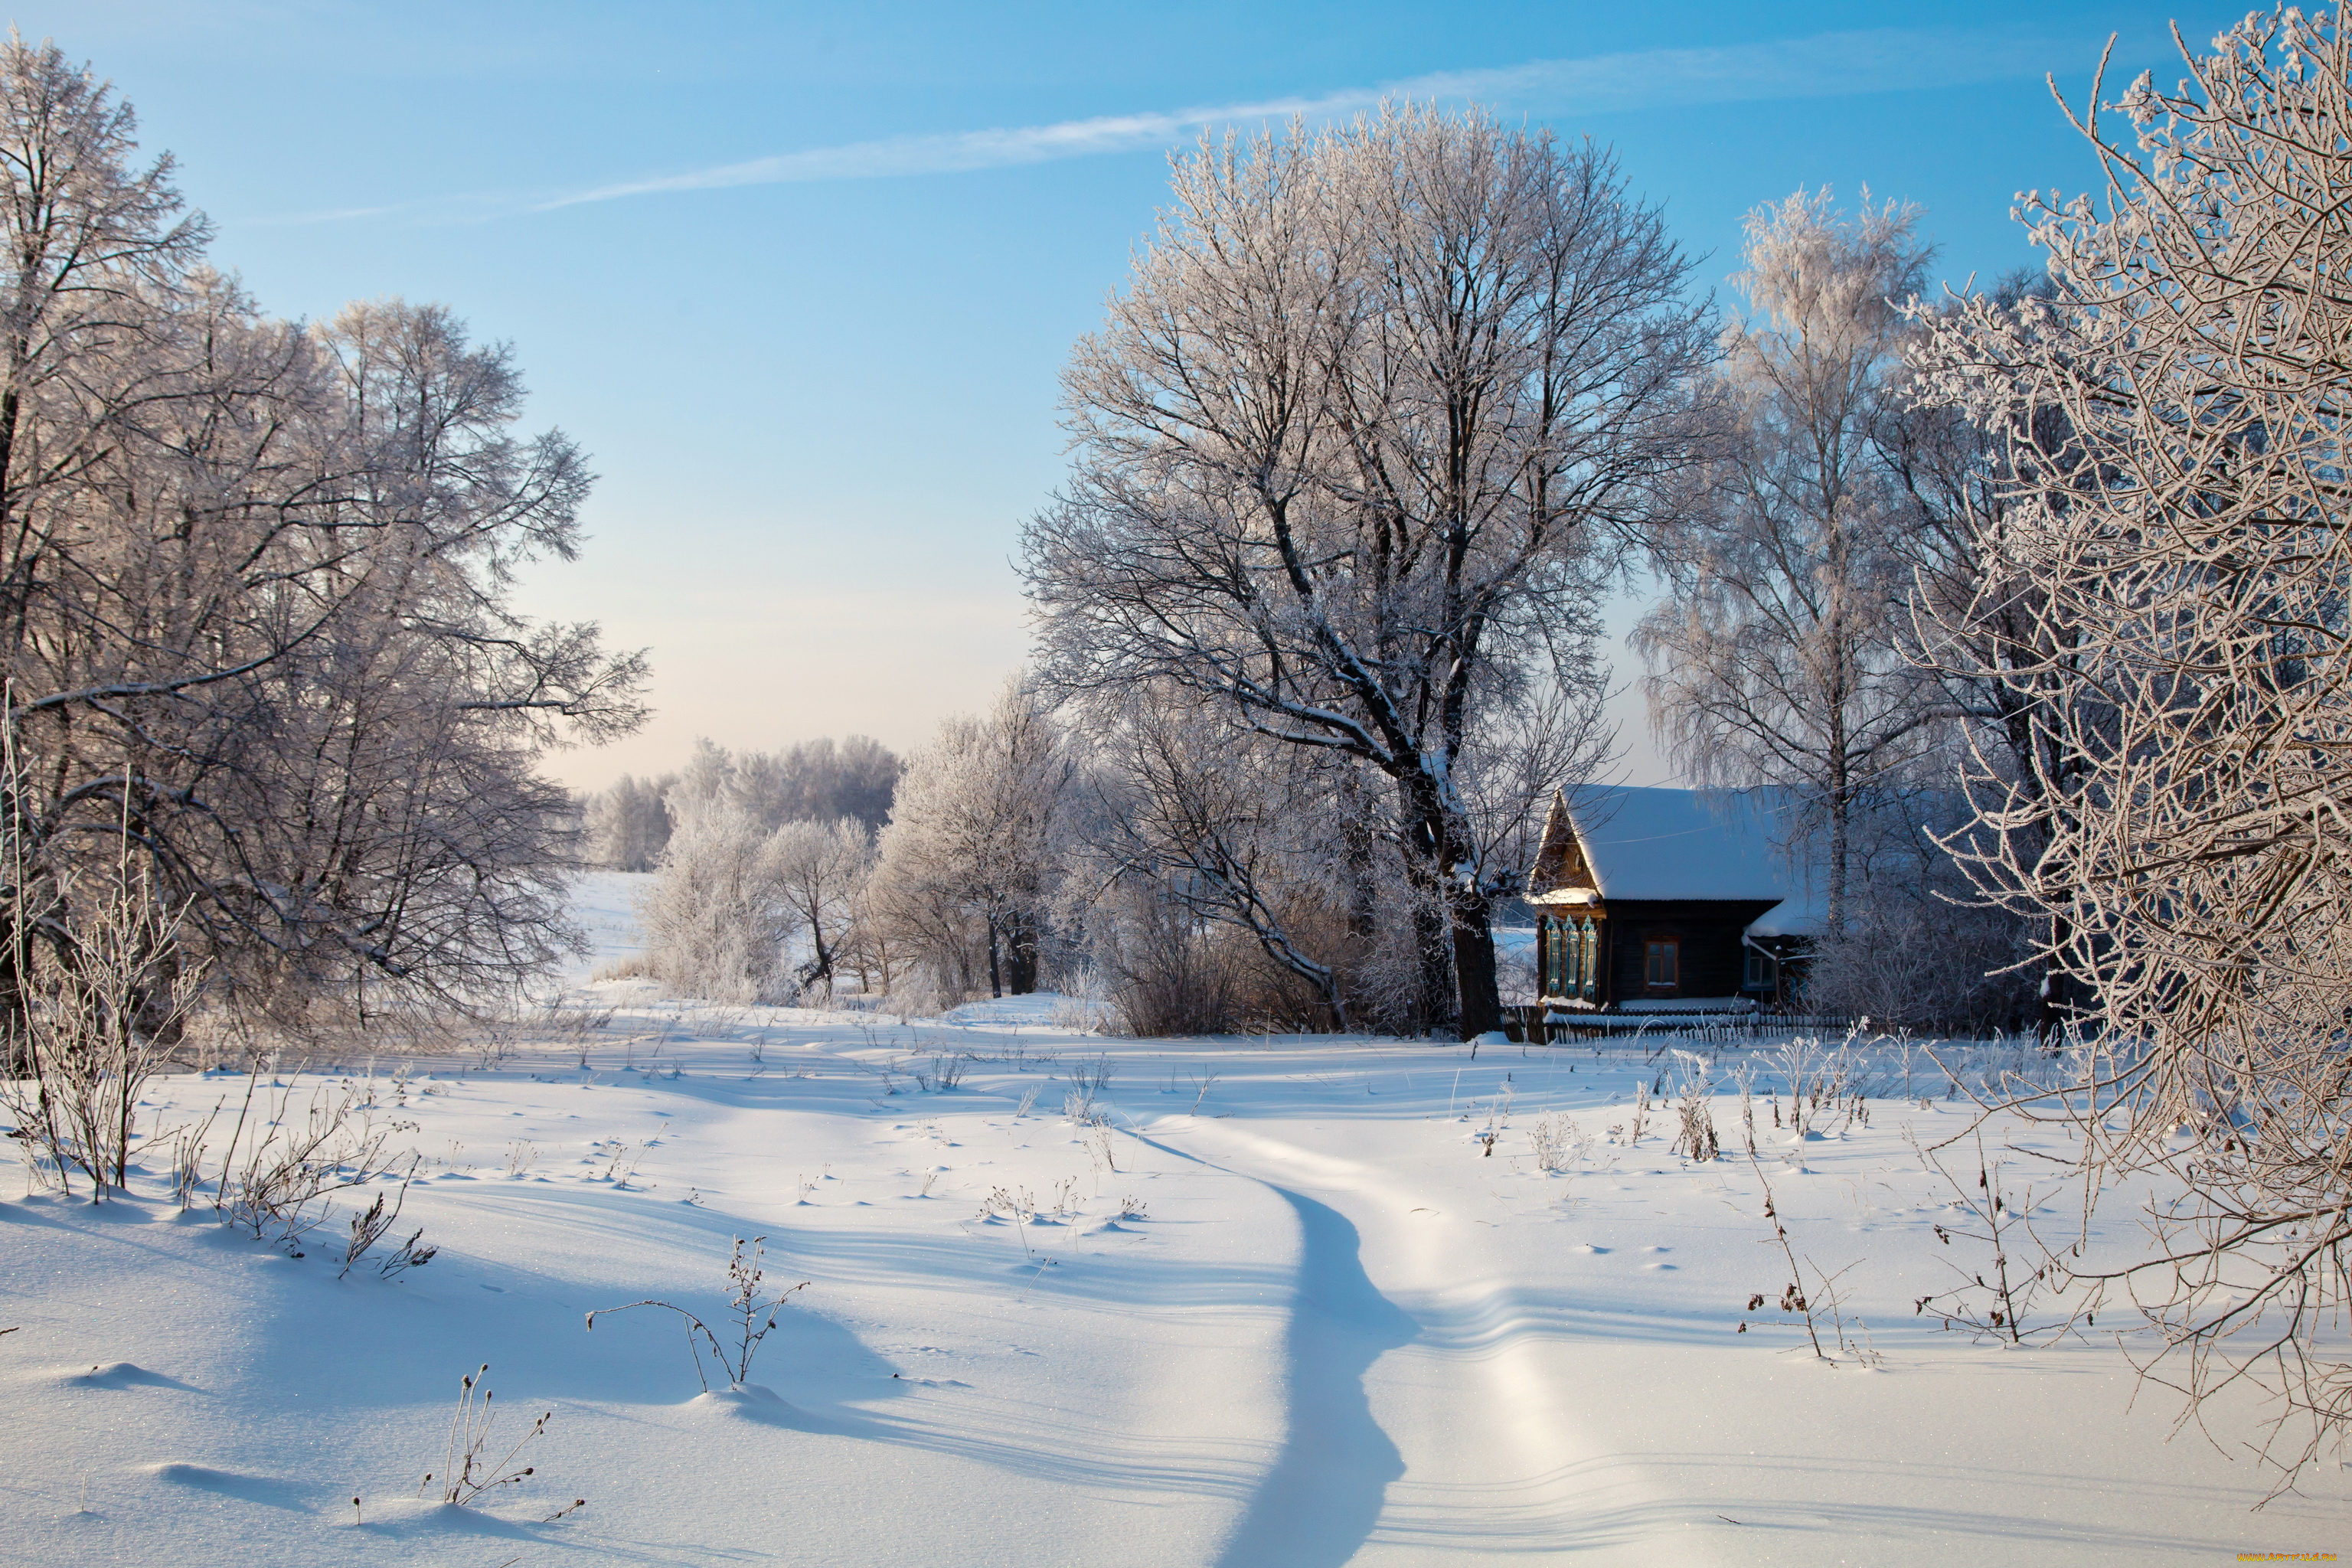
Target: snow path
[(1321, 1498), (1444, 1349)]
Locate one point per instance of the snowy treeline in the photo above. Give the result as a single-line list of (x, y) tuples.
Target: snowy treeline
[(1131, 848), (630, 823)]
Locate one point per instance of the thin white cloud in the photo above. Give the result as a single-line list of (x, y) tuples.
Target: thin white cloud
[(1826, 65)]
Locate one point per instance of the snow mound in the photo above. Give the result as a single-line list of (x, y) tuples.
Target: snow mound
[(268, 1491), (409, 1517), (118, 1374), (745, 1402)]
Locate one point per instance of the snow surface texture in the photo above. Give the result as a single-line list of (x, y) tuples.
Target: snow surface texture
[(1285, 1310)]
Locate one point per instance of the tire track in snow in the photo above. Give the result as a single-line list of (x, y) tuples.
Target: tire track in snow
[(1317, 1505), (1491, 1461)]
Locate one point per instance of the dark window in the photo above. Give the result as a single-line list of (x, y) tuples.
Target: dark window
[(1760, 971), (1663, 969)]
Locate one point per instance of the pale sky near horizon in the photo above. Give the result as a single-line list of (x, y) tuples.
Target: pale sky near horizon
[(800, 277)]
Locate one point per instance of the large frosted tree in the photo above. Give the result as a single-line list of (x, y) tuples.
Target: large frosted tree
[(1375, 410)]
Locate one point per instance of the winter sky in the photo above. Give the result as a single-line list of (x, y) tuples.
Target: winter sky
[(800, 276)]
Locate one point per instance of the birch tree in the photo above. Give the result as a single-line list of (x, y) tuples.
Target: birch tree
[(1776, 658), (1375, 409)]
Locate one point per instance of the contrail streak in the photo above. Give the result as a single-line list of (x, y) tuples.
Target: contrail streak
[(1823, 66)]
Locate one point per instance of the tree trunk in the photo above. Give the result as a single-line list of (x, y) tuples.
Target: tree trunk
[(1433, 1002), (1474, 963), (1463, 952), (822, 969), (996, 972), (1020, 955), (2054, 1001)]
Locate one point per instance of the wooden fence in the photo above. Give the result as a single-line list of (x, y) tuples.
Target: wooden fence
[(1530, 1024)]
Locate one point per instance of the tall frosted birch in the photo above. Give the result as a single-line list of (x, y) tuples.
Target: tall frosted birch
[(1775, 659)]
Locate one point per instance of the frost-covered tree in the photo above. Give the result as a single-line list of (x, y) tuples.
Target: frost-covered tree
[(2178, 533), (719, 914), (968, 867), (256, 600), (1776, 658), (823, 867), (1373, 409)]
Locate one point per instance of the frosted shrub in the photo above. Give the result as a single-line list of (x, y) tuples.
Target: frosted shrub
[(753, 1312), (1695, 1115), (1091, 1084), (1558, 1144), (466, 1474), (99, 1012), (1082, 1007)]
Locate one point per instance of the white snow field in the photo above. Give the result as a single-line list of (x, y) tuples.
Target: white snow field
[(1332, 1327)]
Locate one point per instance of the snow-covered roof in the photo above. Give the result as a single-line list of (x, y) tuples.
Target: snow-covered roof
[(1802, 913), (1642, 843)]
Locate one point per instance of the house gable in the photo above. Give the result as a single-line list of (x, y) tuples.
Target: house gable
[(1561, 864)]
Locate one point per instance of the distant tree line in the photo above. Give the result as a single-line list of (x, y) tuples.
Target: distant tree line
[(630, 823)]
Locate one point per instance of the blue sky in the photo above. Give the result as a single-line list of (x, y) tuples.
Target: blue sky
[(800, 277)]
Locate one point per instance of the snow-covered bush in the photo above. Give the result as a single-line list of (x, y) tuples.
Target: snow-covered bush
[(1912, 961), (95, 1014)]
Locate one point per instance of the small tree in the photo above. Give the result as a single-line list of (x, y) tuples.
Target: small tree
[(718, 916), (967, 869), (821, 868)]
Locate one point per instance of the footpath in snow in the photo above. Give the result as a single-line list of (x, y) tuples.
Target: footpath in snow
[(1288, 1302)]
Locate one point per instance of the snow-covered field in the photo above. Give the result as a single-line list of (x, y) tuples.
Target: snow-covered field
[(1328, 1327)]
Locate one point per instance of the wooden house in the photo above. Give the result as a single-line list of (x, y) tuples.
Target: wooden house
[(1666, 900)]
